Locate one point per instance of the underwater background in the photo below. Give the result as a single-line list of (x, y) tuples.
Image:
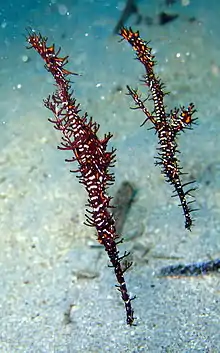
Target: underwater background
[(56, 291)]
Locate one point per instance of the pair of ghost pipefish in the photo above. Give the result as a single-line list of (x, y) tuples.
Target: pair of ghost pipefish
[(79, 135)]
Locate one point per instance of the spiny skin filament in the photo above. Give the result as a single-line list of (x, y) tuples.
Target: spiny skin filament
[(167, 125), (79, 135)]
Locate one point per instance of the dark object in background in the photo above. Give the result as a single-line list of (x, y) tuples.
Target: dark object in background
[(161, 18), (170, 2), (165, 18), (130, 8), (148, 20), (123, 200), (194, 269)]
